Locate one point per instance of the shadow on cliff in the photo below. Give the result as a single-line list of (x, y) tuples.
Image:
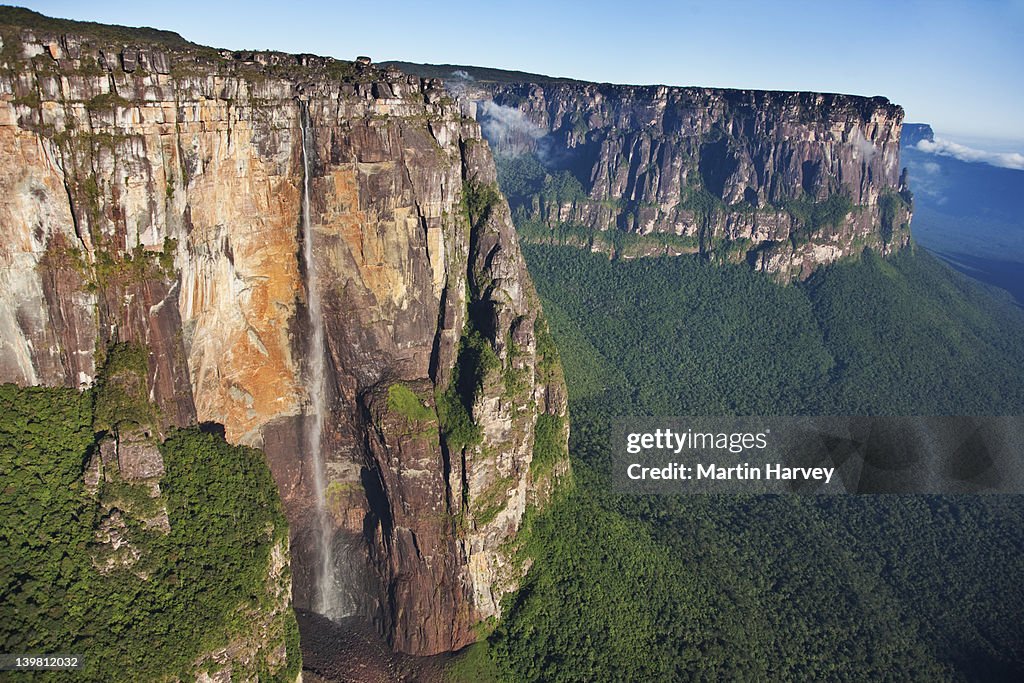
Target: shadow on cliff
[(352, 651)]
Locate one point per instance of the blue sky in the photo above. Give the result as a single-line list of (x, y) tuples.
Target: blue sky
[(956, 64)]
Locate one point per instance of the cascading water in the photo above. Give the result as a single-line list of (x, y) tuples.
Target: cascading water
[(327, 599)]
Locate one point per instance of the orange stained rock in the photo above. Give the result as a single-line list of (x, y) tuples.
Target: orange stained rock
[(243, 369)]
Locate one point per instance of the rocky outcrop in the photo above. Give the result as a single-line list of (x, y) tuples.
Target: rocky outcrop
[(786, 181), (153, 195), (264, 646), (123, 478), (914, 133)]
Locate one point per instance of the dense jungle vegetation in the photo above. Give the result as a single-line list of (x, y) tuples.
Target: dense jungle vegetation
[(628, 588), (88, 568)]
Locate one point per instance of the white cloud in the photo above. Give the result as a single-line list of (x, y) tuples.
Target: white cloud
[(947, 148), (865, 147), (508, 129)]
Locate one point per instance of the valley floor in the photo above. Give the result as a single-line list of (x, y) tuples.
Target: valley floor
[(1008, 275), (353, 652)]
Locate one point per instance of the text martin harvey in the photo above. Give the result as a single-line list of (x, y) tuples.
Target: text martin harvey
[(745, 471)]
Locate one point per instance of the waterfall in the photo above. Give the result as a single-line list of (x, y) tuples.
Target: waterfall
[(327, 600)]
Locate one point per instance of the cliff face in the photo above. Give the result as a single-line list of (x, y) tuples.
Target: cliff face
[(913, 133), (153, 193), (785, 181)]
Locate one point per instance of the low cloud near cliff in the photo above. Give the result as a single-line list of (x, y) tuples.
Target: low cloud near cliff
[(947, 148), (508, 125), (865, 148)]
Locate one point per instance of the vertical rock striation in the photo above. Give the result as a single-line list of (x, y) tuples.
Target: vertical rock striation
[(786, 181), (152, 193)]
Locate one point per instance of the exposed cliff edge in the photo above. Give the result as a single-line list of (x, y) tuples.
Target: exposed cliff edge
[(152, 194), (786, 181)]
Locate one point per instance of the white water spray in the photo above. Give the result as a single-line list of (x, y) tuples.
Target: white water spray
[(327, 600)]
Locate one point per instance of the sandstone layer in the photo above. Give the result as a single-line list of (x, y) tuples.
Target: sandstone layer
[(786, 181), (152, 193)]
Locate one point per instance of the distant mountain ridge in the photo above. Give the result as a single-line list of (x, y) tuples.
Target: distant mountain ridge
[(785, 181), (913, 133)]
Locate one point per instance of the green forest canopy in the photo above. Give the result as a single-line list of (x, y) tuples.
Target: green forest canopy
[(773, 587), (191, 590)]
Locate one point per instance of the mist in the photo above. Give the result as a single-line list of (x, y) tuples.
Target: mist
[(508, 129), (864, 147)]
